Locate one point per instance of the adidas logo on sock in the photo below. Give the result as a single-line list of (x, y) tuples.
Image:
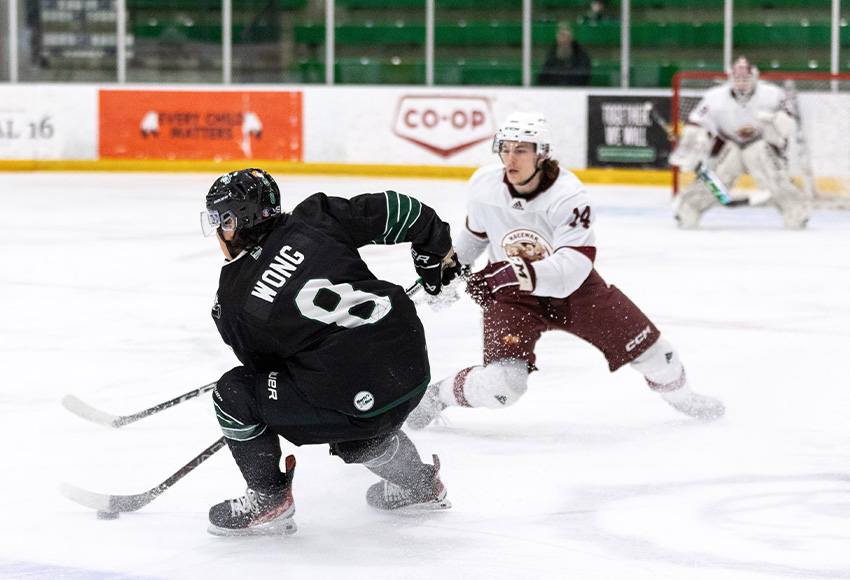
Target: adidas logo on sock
[(668, 356), (501, 398)]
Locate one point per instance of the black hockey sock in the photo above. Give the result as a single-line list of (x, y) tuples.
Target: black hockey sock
[(399, 463), (259, 461)]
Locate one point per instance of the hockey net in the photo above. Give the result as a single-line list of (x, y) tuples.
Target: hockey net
[(818, 152)]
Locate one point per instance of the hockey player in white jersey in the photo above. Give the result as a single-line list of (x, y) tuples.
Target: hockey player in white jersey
[(741, 127), (535, 221)]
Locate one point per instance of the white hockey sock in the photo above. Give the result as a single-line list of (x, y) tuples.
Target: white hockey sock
[(661, 367), (499, 384)]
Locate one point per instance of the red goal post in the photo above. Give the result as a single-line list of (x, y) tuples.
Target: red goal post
[(818, 152)]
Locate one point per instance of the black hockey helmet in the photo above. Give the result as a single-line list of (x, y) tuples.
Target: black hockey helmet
[(240, 201)]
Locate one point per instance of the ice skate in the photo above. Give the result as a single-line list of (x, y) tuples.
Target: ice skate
[(429, 408), (431, 495), (690, 205), (256, 513), (795, 216), (694, 405)]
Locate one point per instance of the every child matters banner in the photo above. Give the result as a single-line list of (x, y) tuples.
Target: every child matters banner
[(217, 125)]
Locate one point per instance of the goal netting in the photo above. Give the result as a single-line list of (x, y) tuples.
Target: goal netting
[(819, 151)]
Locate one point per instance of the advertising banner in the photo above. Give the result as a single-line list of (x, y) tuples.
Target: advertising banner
[(48, 122), (628, 131), (218, 125), (446, 126)]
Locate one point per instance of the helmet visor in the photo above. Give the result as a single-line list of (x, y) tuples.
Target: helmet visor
[(211, 220)]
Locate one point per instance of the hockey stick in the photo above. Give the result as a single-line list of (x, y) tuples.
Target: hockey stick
[(662, 122), (414, 288), (89, 413), (111, 505), (716, 187)]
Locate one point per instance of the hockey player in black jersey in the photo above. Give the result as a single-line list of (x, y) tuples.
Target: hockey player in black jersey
[(330, 354)]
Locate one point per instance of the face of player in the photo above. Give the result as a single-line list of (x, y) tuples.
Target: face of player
[(221, 236), (742, 84), (520, 160)]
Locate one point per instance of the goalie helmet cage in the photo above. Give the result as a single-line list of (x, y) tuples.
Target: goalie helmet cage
[(819, 149)]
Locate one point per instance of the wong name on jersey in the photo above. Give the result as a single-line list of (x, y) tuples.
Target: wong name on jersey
[(279, 271)]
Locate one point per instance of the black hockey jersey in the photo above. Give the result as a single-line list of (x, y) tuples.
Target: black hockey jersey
[(304, 302)]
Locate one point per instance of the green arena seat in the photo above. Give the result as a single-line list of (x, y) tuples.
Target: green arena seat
[(169, 6), (748, 34)]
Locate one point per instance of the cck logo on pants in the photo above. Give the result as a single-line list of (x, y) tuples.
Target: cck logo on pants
[(632, 344)]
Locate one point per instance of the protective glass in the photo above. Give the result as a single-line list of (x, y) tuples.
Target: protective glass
[(501, 147), (211, 220)]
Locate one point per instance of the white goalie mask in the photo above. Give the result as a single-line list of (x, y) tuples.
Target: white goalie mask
[(526, 128), (743, 77)]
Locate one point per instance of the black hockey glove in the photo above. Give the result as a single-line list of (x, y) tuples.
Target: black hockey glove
[(435, 270)]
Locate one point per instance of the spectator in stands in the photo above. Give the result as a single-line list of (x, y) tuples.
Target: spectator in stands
[(567, 63), (596, 14)]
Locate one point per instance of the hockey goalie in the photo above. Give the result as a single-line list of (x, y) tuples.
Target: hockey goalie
[(741, 127)]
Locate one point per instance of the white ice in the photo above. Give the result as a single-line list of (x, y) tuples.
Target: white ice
[(106, 285)]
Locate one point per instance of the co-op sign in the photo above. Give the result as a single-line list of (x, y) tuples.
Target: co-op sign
[(444, 125)]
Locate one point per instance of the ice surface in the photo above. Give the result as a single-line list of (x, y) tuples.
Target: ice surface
[(106, 288)]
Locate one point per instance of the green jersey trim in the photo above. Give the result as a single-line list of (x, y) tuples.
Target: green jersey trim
[(234, 428), (402, 212)]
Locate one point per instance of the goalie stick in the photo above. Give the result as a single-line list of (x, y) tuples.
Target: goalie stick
[(707, 176), (89, 413), (716, 187), (113, 504)]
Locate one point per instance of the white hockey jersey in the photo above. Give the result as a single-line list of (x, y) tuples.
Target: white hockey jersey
[(723, 116), (553, 229)]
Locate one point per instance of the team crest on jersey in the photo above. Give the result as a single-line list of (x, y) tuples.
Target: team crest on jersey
[(746, 132), (526, 244)]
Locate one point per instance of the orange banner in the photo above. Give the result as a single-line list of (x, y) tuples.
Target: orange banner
[(201, 125)]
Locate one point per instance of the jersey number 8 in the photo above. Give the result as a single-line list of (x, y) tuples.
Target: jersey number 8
[(340, 304)]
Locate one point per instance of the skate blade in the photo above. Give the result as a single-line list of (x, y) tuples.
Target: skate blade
[(418, 508), (282, 527)]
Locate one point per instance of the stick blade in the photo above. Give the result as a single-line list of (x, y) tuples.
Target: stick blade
[(106, 502), (89, 413), (89, 499)]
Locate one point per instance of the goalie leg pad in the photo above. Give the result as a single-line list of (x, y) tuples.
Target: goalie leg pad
[(695, 199), (770, 171), (499, 384), (729, 164), (691, 203)]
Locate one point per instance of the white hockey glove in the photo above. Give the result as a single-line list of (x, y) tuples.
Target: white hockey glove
[(691, 149), (777, 127)]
